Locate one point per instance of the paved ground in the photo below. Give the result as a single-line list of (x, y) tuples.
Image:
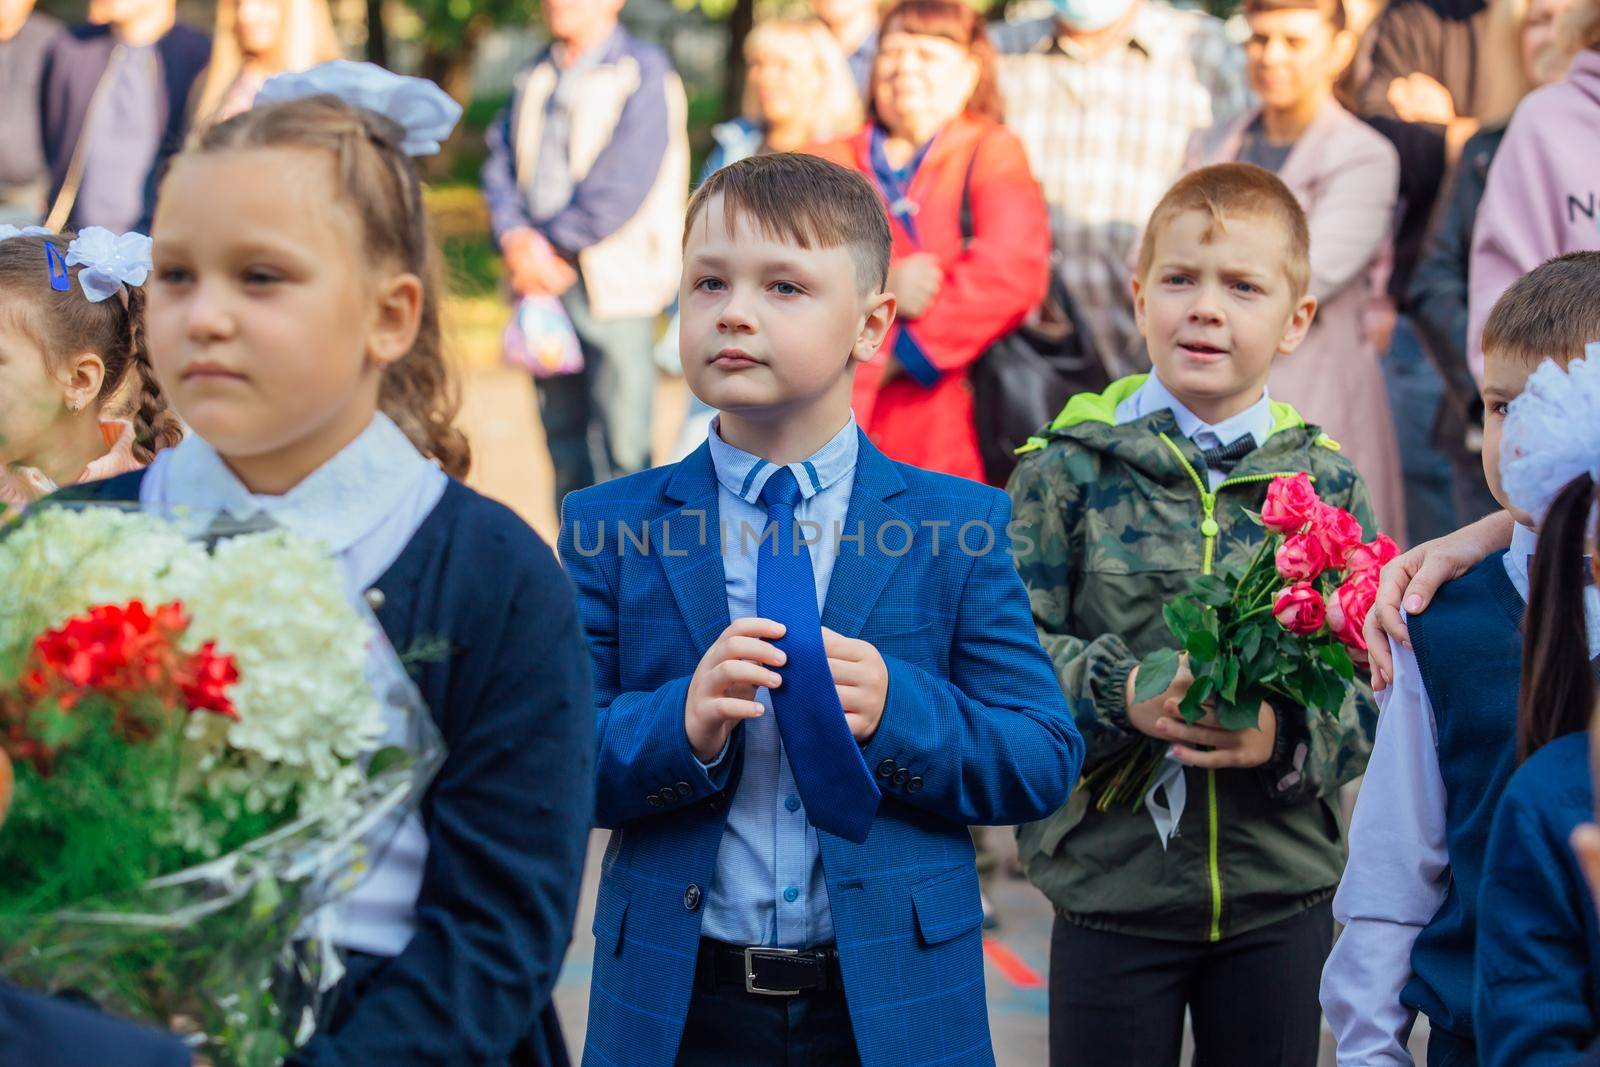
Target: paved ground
[(510, 464)]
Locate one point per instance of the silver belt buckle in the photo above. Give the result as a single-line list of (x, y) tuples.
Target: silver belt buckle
[(750, 955)]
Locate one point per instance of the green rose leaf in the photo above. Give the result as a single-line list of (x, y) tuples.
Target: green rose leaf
[(1156, 672), (1338, 657), (1240, 714), (1183, 617), (1211, 590), (1202, 645), (1193, 706)]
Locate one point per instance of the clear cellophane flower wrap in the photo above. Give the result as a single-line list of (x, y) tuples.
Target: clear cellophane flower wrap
[(213, 743)]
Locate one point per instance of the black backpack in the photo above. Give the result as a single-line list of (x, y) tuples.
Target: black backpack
[(1024, 379)]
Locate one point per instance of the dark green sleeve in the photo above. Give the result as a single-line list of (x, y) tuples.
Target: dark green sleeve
[(1047, 543)]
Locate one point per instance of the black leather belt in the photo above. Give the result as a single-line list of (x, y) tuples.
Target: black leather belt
[(769, 972)]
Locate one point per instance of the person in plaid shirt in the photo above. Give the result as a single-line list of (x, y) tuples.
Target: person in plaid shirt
[(1105, 94)]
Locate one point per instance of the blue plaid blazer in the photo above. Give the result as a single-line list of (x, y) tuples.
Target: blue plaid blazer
[(976, 731)]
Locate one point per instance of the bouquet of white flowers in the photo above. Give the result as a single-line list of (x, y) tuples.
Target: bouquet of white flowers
[(202, 762)]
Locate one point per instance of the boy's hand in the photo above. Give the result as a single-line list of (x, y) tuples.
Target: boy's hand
[(1229, 748), (1146, 715), (862, 679), (915, 281), (722, 692)]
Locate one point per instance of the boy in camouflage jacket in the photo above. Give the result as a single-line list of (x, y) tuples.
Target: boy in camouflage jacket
[(1116, 508)]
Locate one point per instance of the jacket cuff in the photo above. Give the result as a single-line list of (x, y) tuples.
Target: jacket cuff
[(1112, 702), (1284, 770)]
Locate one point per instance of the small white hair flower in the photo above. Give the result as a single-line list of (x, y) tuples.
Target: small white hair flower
[(1552, 432), (109, 262), (426, 112), (8, 231)]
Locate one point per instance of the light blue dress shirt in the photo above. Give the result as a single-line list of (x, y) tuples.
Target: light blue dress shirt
[(1399, 867), (365, 504), (768, 887)]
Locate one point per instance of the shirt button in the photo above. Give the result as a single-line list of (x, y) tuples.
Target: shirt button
[(792, 803), (374, 598), (791, 894)]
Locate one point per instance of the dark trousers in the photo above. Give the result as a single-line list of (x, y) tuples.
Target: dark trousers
[(1119, 1001), (728, 1027)]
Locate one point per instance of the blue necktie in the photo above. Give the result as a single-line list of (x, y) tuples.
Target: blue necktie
[(829, 769)]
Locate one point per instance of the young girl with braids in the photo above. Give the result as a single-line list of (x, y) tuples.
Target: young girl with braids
[(71, 347), (1536, 996), (294, 320)]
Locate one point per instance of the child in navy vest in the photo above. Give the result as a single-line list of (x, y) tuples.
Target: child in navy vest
[(1537, 991), (1446, 743)]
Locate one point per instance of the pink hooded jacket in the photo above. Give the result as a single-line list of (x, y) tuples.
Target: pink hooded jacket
[(1542, 199)]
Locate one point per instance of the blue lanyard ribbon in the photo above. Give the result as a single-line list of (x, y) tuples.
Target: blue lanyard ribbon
[(896, 184)]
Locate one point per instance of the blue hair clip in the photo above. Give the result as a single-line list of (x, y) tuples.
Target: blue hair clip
[(59, 281)]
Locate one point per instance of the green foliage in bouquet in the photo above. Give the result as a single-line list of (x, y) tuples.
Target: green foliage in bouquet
[(1286, 628)]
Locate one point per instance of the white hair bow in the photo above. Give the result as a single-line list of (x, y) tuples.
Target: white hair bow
[(109, 262), (7, 231), (1552, 432), (426, 112)]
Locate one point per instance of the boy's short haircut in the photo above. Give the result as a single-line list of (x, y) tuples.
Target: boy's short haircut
[(1331, 10), (804, 200), (1551, 312), (1240, 191)]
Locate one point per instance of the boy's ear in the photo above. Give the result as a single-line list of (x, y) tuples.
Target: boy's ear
[(1299, 324), (880, 311), (1137, 285), (397, 316)]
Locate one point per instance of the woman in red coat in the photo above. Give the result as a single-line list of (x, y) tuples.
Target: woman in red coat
[(934, 140)]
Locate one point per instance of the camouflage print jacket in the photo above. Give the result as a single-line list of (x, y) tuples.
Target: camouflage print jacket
[(1110, 524)]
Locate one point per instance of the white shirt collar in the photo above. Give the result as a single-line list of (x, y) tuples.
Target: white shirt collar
[(1154, 396), (338, 504)]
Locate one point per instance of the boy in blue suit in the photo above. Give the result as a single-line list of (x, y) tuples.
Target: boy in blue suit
[(814, 667)]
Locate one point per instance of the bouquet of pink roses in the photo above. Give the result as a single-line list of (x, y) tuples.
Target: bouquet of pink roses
[(1287, 625)]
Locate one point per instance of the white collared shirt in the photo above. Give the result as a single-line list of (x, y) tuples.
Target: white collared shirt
[(365, 504), (1154, 396), (1399, 868)]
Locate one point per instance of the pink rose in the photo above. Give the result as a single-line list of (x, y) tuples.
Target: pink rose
[(1299, 609), (1300, 558), (1338, 532), (1355, 599), (1370, 558), (1290, 504)]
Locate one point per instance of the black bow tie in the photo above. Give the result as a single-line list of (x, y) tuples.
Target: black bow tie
[(1224, 458)]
